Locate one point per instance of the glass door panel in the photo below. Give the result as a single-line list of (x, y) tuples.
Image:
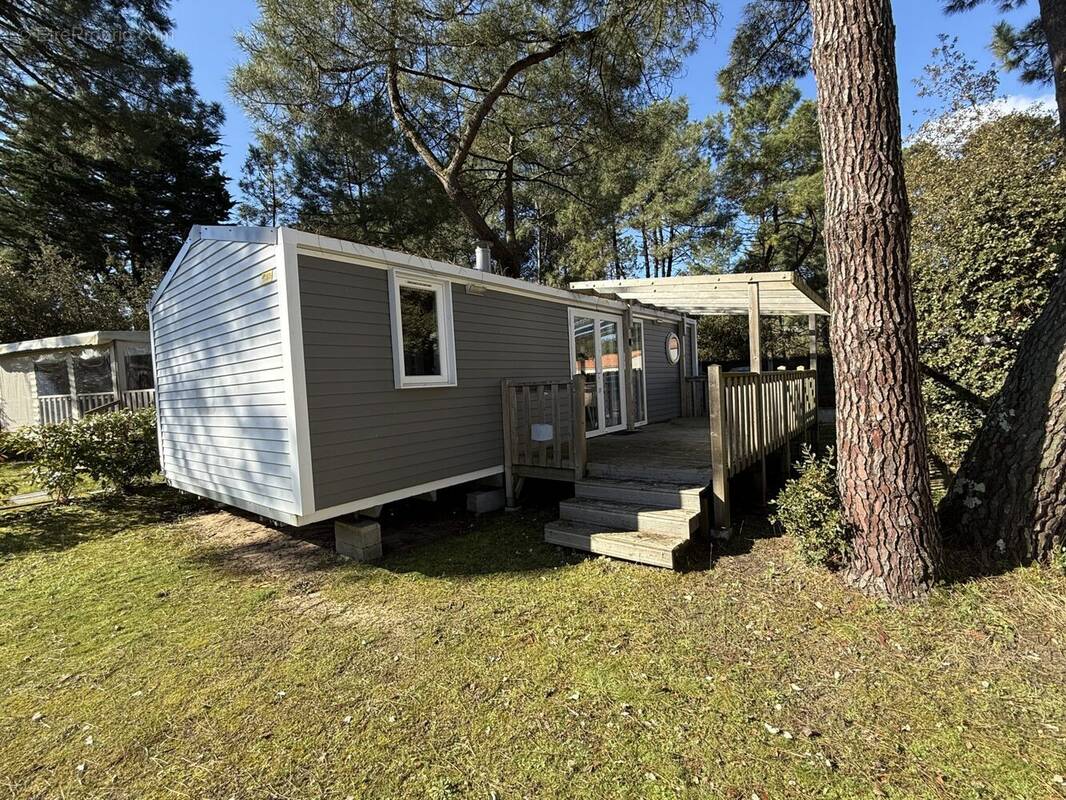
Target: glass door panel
[(612, 374), (640, 406), (585, 362)]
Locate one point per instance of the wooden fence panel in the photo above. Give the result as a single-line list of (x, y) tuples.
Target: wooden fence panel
[(543, 429), (751, 415)]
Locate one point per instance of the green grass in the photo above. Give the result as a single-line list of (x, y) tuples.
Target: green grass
[(166, 660), (15, 479)]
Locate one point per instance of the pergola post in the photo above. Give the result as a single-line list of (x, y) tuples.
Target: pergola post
[(812, 332), (755, 362), (754, 329), (812, 336)]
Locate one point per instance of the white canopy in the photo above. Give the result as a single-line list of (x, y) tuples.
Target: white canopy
[(767, 293)]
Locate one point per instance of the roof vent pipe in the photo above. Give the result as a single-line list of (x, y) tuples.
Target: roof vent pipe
[(483, 256)]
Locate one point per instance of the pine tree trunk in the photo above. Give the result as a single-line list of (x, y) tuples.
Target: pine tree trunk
[(1008, 499), (881, 438), (1009, 496), (1053, 23)]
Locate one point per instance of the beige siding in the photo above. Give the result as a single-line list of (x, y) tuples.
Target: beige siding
[(220, 378), (17, 392), (369, 438)]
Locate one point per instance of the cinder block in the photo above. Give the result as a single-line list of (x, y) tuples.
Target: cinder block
[(483, 501), (359, 540)]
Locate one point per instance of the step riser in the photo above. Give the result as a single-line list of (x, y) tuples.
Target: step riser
[(627, 521), (650, 497), (626, 472), (654, 557)]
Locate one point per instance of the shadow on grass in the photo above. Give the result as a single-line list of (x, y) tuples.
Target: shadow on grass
[(57, 528), (444, 540)]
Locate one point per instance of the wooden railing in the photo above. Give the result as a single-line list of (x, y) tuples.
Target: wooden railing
[(138, 398), (753, 414), (543, 430), (88, 403), (58, 408), (694, 396), (55, 408)]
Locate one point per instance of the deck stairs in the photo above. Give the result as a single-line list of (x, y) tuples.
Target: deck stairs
[(632, 512)]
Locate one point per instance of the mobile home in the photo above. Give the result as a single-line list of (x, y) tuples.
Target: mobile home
[(44, 381), (305, 378)]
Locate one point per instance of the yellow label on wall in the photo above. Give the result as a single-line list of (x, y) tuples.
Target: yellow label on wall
[(266, 277)]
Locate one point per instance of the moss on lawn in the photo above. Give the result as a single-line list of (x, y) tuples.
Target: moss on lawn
[(161, 660)]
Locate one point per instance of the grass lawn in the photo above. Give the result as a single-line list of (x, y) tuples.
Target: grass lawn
[(16, 474), (153, 648)]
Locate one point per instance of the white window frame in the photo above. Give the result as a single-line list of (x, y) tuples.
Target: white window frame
[(442, 290)]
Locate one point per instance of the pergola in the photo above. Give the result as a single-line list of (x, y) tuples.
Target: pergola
[(755, 294)]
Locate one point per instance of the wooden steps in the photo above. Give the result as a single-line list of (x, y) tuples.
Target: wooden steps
[(655, 549), (664, 495), (647, 521), (686, 476)]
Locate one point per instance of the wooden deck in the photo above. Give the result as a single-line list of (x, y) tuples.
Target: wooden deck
[(679, 451), (645, 494)]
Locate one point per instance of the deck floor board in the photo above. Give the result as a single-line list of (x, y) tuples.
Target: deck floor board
[(681, 444)]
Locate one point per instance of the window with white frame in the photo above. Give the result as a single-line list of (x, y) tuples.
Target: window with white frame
[(423, 336)]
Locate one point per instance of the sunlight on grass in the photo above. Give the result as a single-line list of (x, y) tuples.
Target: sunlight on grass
[(141, 657)]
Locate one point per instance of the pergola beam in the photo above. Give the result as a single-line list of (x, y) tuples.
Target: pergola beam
[(780, 293)]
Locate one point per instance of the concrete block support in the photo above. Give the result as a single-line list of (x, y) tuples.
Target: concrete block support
[(359, 540), (482, 501)]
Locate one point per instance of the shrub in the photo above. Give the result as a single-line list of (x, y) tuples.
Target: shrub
[(19, 444), (118, 449), (808, 509), (121, 447)]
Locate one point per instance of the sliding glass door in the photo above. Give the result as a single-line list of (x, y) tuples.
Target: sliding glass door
[(597, 354)]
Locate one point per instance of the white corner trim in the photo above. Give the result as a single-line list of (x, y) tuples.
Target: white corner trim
[(157, 396), (398, 494), (442, 289), (288, 277)]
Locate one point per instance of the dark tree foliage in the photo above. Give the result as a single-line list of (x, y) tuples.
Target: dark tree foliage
[(85, 54), (772, 45), (107, 154)]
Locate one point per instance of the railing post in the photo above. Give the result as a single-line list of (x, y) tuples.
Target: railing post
[(508, 433), (814, 415), (579, 444), (760, 435), (719, 445)]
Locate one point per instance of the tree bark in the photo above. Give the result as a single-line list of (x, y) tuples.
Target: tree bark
[(1008, 499), (881, 436), (1053, 22)]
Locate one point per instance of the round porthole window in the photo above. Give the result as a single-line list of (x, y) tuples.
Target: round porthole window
[(673, 348)]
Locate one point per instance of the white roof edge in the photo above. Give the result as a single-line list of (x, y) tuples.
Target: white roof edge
[(218, 233), (310, 242), (86, 339), (378, 255)]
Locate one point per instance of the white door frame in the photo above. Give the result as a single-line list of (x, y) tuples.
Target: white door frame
[(601, 412), (644, 366)]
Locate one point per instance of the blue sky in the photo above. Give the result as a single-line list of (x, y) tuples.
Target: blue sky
[(204, 30)]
